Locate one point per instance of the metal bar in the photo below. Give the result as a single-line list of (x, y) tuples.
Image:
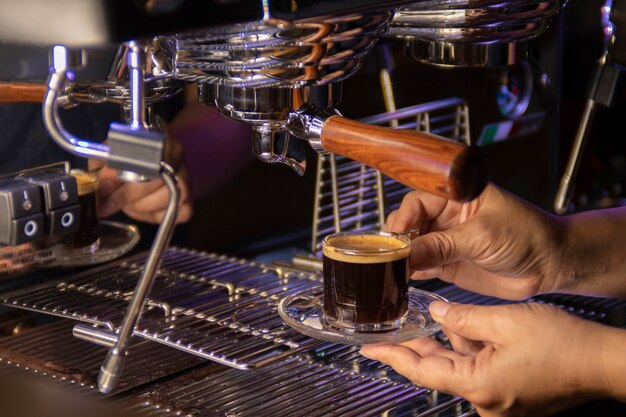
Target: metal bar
[(411, 111), (317, 201), (563, 195), (56, 86), (110, 371), (333, 173)]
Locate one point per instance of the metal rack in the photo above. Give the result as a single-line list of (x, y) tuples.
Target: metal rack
[(349, 195), (51, 353), (329, 380), (312, 378), (302, 385), (215, 307)]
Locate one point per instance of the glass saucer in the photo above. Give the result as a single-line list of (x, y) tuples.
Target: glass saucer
[(116, 239), (304, 311)]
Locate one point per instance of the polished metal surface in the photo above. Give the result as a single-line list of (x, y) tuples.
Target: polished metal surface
[(474, 21), (322, 380), (212, 306), (267, 105), (49, 351), (564, 193), (276, 53), (62, 63), (472, 32), (467, 54), (329, 381), (269, 111), (111, 370), (326, 380), (158, 82)]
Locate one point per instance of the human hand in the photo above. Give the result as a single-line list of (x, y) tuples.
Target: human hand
[(496, 244), (513, 360), (146, 201)]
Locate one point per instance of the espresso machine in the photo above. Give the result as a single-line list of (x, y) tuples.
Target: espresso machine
[(179, 331)]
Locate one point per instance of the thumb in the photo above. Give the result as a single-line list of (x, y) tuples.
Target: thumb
[(469, 321)]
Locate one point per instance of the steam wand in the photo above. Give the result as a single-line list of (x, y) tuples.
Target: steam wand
[(601, 92), (138, 154), (111, 369)]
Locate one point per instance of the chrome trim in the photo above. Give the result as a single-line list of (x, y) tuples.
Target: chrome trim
[(275, 53)]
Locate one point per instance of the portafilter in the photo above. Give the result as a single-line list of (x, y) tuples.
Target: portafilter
[(283, 78)]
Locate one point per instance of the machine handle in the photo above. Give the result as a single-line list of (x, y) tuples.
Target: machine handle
[(22, 92), (419, 160)]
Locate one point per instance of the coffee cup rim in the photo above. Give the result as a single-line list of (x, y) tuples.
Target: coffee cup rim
[(357, 252)]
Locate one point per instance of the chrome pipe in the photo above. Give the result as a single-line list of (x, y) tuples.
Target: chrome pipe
[(136, 64), (50, 109), (93, 335), (111, 369), (564, 193)]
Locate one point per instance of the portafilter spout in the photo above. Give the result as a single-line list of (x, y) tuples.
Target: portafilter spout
[(268, 110)]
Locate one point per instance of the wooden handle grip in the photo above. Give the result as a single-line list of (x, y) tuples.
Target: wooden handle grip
[(418, 160), (22, 92)]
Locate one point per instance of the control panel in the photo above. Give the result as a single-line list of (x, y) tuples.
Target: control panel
[(35, 205)]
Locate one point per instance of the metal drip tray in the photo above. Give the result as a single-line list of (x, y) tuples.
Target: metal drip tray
[(50, 352), (330, 381), (215, 307)]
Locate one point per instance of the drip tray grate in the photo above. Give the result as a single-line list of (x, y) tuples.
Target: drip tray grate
[(331, 380), (219, 308), (328, 380), (50, 352)]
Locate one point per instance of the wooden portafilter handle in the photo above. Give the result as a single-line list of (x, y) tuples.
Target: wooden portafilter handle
[(22, 92), (419, 160)]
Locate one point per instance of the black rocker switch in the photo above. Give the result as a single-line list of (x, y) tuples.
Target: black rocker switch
[(21, 213), (60, 201)]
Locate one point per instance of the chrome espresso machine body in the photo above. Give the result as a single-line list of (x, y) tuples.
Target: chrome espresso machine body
[(176, 331)]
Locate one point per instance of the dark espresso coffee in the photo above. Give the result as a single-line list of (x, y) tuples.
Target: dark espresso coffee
[(87, 234), (366, 280)]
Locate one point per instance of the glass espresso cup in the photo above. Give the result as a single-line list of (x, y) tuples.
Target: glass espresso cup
[(366, 280), (86, 237)]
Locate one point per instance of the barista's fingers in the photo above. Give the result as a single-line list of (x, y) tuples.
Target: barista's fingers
[(125, 195), (416, 209), (391, 218), (427, 274), (94, 164), (410, 214), (108, 187), (426, 346), (437, 372), (462, 345), (159, 199), (185, 211)]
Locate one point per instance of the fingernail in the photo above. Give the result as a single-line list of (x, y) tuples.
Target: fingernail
[(439, 309)]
